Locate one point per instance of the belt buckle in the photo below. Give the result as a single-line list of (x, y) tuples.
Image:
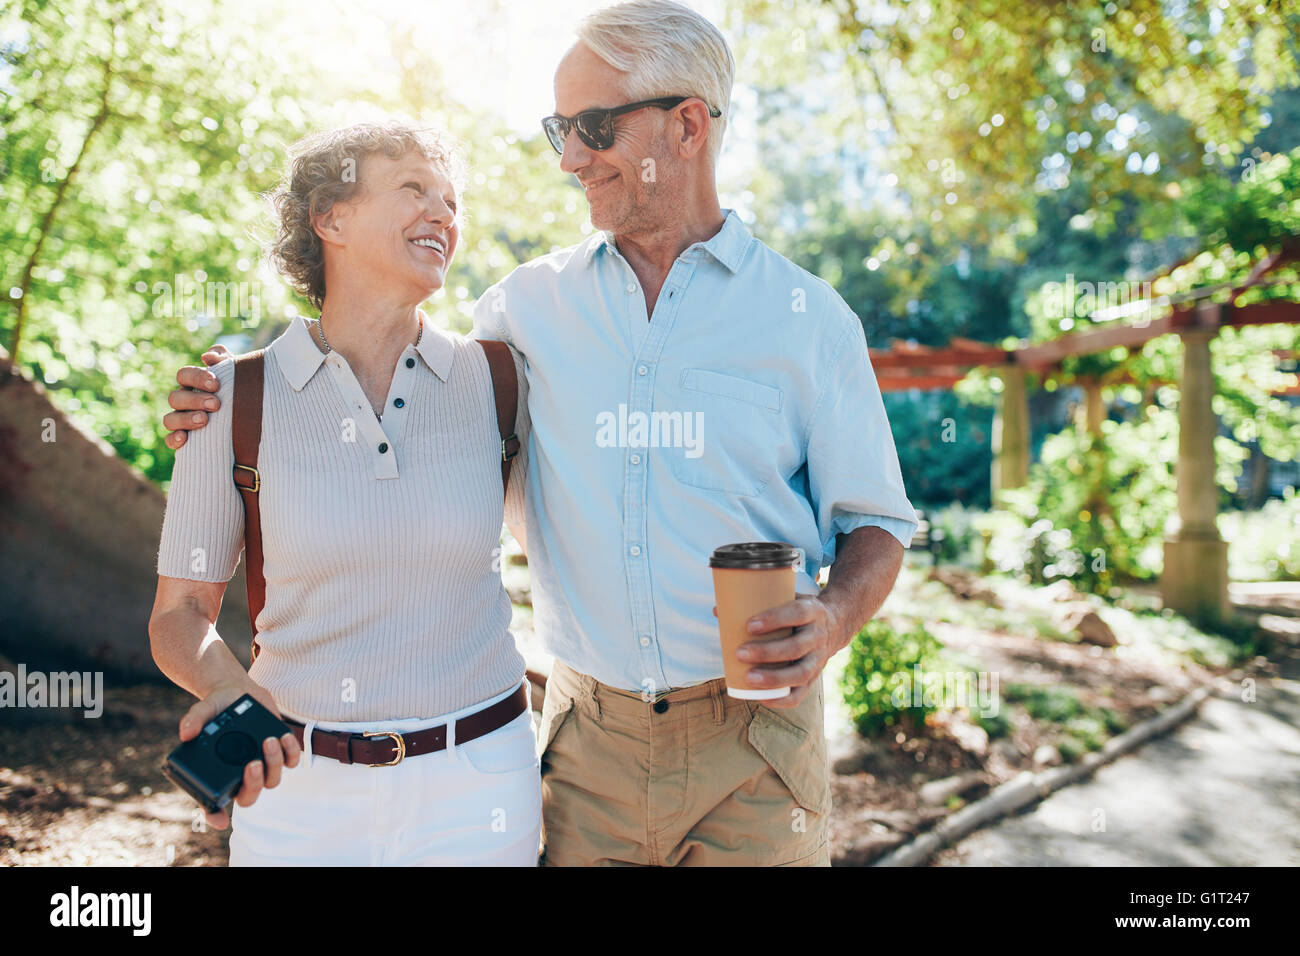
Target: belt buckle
[(398, 742)]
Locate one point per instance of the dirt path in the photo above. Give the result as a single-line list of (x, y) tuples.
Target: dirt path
[(89, 792)]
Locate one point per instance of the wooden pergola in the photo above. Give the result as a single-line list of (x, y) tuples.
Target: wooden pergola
[(1195, 577)]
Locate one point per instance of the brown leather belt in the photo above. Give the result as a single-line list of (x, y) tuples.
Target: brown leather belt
[(382, 748)]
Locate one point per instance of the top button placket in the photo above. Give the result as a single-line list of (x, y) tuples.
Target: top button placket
[(381, 446)]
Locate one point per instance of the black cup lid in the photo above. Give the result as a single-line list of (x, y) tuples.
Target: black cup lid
[(755, 556)]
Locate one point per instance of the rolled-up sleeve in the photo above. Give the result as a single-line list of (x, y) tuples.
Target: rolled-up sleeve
[(203, 529), (854, 480)]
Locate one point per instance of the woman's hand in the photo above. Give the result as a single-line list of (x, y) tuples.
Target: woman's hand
[(277, 753)]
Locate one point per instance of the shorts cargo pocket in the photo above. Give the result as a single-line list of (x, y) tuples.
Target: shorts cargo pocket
[(798, 760)]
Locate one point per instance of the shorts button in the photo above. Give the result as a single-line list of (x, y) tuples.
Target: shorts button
[(661, 706)]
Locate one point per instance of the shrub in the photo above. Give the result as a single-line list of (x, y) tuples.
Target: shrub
[(955, 533), (995, 724), (1264, 545), (881, 659), (1054, 704)]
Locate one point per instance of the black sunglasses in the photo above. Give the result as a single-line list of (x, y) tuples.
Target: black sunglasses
[(596, 127)]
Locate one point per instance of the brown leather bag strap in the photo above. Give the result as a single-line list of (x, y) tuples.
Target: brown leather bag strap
[(246, 436), (505, 389)]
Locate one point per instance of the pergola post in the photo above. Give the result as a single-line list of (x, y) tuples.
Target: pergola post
[(1010, 431), (1195, 577), (1094, 412)]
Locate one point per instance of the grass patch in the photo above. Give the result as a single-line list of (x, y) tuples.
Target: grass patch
[(1083, 727)]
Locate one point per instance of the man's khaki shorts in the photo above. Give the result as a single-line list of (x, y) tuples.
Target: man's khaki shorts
[(697, 778)]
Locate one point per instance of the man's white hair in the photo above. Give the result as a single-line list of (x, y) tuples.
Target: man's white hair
[(665, 49)]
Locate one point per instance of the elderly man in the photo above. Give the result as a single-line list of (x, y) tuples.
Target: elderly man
[(674, 312)]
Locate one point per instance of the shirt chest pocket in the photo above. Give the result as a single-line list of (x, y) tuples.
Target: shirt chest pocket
[(738, 432)]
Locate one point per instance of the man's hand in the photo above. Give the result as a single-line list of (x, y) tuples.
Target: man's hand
[(797, 660), (866, 565), (277, 753), (194, 399)]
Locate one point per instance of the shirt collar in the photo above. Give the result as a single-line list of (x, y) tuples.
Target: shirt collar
[(728, 246), (436, 349), (299, 357)]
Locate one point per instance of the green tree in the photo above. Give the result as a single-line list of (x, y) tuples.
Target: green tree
[(132, 170)]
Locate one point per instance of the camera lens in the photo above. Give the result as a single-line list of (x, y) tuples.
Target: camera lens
[(237, 748)]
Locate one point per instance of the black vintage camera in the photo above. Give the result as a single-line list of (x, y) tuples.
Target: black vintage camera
[(210, 767)]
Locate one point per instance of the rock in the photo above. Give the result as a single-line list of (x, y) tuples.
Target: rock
[(972, 737), (864, 850), (1061, 590), (937, 792), (900, 821), (1087, 625), (850, 753), (1161, 694), (1008, 751), (965, 584), (1047, 756)]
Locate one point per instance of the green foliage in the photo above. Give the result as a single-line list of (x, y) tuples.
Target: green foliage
[(1050, 703), (1264, 545), (1255, 212), (880, 665), (1094, 509), (1083, 726), (132, 171), (996, 723), (979, 108), (944, 447), (139, 139), (959, 540)]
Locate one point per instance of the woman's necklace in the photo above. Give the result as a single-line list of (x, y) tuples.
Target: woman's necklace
[(320, 327)]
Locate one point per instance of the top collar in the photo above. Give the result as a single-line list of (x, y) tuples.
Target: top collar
[(299, 356), (728, 246)]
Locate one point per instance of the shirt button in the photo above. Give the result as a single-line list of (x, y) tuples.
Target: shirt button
[(410, 363), (636, 459), (645, 641), (399, 402), (631, 287), (661, 706), (635, 550), (641, 370), (383, 447)]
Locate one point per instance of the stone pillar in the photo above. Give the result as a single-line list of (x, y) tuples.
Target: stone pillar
[(1011, 432), (1195, 577)]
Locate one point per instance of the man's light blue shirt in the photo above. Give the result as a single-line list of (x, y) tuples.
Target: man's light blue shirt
[(746, 409)]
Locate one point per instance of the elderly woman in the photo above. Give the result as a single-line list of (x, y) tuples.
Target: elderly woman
[(384, 637)]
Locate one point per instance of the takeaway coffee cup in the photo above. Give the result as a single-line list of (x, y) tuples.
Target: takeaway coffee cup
[(747, 579)]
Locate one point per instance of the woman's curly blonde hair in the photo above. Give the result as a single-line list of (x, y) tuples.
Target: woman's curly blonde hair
[(325, 170)]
